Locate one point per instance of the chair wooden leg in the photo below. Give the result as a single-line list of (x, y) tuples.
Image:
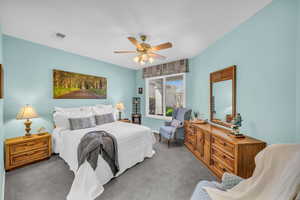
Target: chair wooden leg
[(169, 143)]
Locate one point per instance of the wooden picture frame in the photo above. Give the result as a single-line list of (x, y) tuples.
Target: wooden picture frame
[(70, 85), (228, 73)]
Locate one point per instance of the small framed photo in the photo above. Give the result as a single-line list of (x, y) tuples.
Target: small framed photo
[(140, 90)]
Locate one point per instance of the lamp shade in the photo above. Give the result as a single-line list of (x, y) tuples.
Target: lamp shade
[(120, 106), (27, 112)]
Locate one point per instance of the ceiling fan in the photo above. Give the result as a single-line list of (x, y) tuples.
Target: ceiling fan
[(145, 52)]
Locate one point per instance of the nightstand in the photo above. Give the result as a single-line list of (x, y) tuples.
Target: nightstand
[(21, 151), (124, 120)]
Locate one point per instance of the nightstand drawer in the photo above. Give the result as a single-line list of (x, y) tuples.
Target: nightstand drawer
[(27, 146), (20, 151), (29, 156)]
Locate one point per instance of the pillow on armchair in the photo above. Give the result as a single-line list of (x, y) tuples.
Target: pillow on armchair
[(176, 123), (230, 180)]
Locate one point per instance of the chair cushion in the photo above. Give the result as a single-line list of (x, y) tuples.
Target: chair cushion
[(167, 131), (200, 193)]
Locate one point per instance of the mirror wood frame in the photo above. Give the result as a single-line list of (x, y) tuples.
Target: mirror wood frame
[(228, 73)]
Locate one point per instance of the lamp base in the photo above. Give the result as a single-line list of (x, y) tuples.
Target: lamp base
[(27, 124)]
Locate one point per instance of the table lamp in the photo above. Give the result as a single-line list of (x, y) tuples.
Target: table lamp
[(27, 112), (120, 107)]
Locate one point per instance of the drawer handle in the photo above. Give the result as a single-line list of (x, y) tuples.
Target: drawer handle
[(30, 144), (224, 170), (29, 154), (224, 144)]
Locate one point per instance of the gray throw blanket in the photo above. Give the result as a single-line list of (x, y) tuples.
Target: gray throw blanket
[(95, 143)]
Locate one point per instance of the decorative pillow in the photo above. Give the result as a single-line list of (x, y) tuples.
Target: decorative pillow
[(105, 118), (176, 123), (62, 115), (80, 123), (230, 180), (105, 109)]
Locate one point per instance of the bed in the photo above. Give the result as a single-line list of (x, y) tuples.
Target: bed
[(135, 143)]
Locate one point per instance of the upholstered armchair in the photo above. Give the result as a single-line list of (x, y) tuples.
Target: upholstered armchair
[(228, 182), (174, 129)]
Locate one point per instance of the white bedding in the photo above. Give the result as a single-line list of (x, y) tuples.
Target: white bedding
[(135, 143)]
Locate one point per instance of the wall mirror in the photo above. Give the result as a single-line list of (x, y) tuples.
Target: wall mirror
[(223, 96)]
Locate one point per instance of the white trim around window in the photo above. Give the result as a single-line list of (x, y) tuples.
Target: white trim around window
[(164, 117)]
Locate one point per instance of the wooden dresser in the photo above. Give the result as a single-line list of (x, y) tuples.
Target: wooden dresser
[(24, 150), (220, 151)]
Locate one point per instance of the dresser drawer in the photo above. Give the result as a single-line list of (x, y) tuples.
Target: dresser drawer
[(191, 139), (27, 146), (30, 156), (224, 145), (220, 168), (189, 130), (222, 157)]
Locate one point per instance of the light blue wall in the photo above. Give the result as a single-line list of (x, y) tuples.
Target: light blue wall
[(263, 48), (29, 81), (1, 129), (298, 75)]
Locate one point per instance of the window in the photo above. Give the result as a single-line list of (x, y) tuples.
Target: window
[(163, 94)]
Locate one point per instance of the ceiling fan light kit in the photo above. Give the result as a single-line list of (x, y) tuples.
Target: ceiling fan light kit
[(145, 52)]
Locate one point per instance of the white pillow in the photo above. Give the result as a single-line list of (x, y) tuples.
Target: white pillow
[(105, 109), (62, 115), (104, 106), (75, 109), (101, 105), (60, 109), (61, 120)]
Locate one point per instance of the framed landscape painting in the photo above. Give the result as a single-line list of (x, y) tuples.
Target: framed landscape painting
[(69, 85)]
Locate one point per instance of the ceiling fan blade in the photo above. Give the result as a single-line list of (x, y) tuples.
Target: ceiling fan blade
[(155, 55), (162, 46), (134, 42), (124, 51)]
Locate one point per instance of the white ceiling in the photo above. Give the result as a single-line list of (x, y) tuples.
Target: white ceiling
[(96, 28)]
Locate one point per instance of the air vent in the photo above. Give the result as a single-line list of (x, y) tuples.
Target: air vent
[(60, 35)]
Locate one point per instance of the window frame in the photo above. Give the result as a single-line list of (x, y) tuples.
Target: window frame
[(164, 77)]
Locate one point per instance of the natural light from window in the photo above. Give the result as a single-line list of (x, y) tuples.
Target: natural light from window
[(163, 94)]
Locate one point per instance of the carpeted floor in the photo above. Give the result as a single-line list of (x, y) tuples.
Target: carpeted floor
[(171, 174)]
